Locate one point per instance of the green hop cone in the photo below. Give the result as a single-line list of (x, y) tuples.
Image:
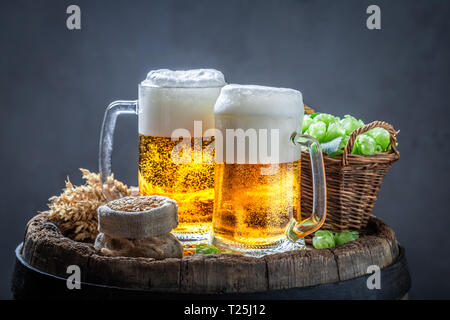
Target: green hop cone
[(204, 248), (343, 144), (323, 239), (334, 131), (381, 137), (345, 236), (378, 149), (318, 130), (364, 145), (326, 118), (307, 121), (350, 124)]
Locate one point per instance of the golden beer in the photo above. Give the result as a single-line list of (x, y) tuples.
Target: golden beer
[(255, 202), (190, 184), (257, 171), (173, 105)]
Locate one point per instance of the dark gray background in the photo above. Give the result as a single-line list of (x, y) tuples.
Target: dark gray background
[(56, 83)]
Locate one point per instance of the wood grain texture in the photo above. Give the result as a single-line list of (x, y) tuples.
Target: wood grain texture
[(45, 248)]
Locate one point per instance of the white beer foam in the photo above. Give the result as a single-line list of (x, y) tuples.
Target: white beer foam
[(236, 99), (169, 100), (258, 107), (195, 78)]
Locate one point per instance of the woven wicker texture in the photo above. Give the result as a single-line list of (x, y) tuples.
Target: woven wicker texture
[(353, 182)]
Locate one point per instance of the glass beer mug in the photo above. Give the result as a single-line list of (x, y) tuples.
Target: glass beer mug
[(257, 171), (169, 103)]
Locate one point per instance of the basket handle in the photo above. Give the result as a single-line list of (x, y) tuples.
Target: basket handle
[(351, 140)]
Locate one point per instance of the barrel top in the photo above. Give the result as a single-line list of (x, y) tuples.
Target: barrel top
[(47, 249)]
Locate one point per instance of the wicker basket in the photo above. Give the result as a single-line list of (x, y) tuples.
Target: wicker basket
[(353, 182)]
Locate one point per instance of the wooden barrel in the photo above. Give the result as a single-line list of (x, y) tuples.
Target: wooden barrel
[(337, 273)]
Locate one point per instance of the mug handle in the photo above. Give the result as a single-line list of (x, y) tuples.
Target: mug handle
[(115, 109), (297, 230)]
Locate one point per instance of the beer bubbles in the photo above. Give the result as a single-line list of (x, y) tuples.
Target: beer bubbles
[(170, 104), (257, 181)]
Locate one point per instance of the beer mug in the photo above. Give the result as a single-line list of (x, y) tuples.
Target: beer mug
[(169, 104), (257, 171)]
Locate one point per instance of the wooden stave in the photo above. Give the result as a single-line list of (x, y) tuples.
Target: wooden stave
[(210, 274), (31, 283)]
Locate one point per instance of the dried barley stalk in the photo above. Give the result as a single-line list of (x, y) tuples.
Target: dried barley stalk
[(75, 209)]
